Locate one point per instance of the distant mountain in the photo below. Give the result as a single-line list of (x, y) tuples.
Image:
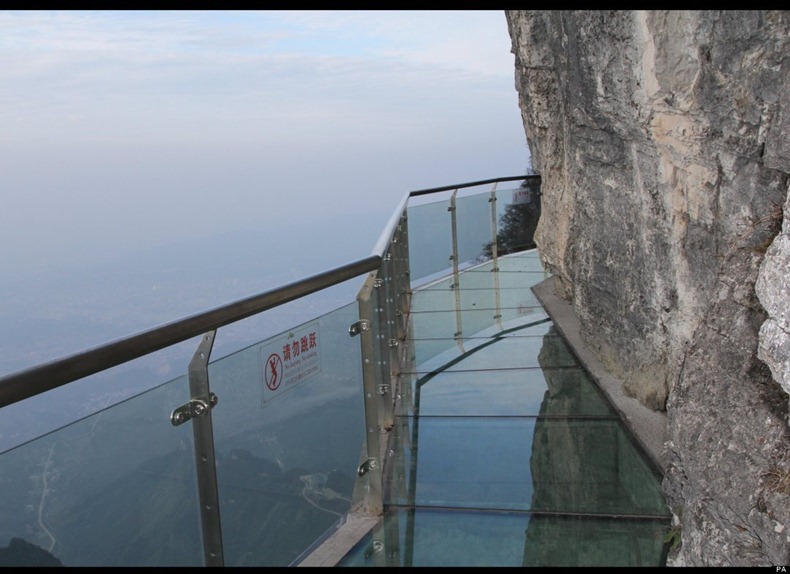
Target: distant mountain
[(20, 552)]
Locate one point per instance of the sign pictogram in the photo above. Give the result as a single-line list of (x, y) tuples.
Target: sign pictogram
[(289, 360), (273, 371)]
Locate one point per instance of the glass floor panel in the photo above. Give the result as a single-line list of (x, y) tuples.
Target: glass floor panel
[(518, 392), (503, 451), (479, 280), (430, 537), (473, 322), (571, 465), (472, 299), (549, 351), (536, 324), (528, 261)]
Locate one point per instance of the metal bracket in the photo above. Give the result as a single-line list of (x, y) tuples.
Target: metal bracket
[(202, 400), (368, 465), (378, 283), (194, 408), (359, 327)]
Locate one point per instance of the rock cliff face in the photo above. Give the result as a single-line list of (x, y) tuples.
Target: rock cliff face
[(662, 139)]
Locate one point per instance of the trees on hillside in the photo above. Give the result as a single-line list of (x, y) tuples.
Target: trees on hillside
[(518, 222)]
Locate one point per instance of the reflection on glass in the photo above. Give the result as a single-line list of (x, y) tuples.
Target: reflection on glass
[(522, 463), (597, 541), (436, 538), (591, 466), (518, 215)]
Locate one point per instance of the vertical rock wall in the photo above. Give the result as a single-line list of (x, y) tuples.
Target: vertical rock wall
[(662, 141)]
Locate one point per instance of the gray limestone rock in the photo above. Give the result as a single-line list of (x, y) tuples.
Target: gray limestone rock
[(662, 142), (773, 289)]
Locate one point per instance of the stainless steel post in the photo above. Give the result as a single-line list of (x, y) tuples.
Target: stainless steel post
[(371, 467)]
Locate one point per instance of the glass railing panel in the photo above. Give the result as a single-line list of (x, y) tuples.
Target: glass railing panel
[(473, 220), (117, 488), (439, 297), (518, 211), (430, 239), (289, 432), (440, 538), (513, 464), (517, 273), (36, 416)]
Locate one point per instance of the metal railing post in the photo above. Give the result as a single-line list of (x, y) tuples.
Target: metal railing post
[(403, 274), (198, 409), (385, 342), (371, 467), (454, 258), (495, 255)]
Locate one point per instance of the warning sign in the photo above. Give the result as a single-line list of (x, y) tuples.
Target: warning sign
[(289, 360), (522, 196)]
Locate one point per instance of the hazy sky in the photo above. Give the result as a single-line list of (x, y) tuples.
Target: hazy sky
[(121, 130)]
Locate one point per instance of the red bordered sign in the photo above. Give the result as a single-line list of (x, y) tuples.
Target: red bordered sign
[(289, 360)]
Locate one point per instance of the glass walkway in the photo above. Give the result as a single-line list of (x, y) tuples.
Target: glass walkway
[(505, 453), (439, 419)]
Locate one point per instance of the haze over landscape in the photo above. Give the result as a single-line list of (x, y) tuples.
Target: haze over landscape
[(156, 164)]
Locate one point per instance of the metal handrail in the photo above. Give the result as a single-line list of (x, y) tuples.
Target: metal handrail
[(41, 378), (389, 229), (472, 184), (38, 379)]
